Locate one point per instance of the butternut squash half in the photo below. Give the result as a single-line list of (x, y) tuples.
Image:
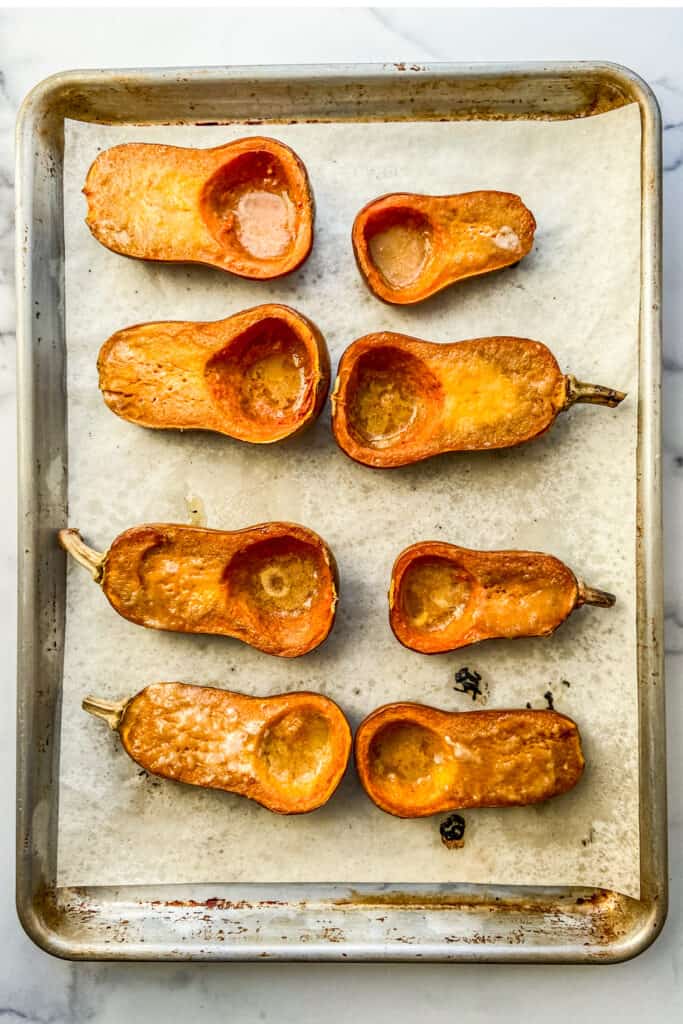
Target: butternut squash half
[(287, 752), (443, 597), (414, 760), (245, 207), (397, 400), (409, 246), (273, 586), (261, 375)]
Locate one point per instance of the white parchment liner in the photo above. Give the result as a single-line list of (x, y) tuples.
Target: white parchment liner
[(572, 493)]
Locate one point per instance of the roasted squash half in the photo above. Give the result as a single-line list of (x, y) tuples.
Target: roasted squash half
[(397, 400), (443, 597), (414, 760), (287, 752), (409, 247), (245, 207), (261, 375), (273, 586)]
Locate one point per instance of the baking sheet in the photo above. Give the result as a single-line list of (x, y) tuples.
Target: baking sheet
[(571, 493)]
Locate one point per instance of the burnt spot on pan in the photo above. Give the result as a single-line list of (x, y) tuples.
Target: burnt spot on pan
[(469, 683), (452, 831)]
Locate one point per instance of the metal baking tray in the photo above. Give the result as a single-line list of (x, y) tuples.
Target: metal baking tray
[(300, 922)]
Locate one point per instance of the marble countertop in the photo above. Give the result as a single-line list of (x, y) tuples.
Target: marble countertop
[(37, 988)]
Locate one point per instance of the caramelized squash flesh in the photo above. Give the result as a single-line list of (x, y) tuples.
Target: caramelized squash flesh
[(398, 400), (273, 586), (287, 752), (261, 375), (245, 207), (409, 246), (443, 597), (414, 760)]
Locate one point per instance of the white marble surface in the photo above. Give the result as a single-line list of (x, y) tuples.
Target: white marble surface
[(36, 988)]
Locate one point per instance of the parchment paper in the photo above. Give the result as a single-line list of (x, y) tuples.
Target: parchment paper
[(571, 493)]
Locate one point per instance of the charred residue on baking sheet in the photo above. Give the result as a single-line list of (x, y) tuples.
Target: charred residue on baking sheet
[(72, 100), (549, 697), (469, 682), (595, 918), (599, 917), (587, 840), (146, 776), (452, 832)]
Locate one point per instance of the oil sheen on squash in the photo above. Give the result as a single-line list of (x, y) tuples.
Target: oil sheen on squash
[(264, 222), (400, 251), (245, 207), (273, 586), (287, 752), (261, 375), (415, 760), (409, 247), (443, 597), (398, 400)]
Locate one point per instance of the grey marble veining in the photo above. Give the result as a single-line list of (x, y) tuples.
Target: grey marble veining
[(36, 988)]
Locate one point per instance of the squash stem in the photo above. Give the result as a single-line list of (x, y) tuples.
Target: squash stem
[(92, 560), (595, 394), (109, 711), (591, 595)]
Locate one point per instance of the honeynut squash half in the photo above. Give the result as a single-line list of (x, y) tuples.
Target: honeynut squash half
[(410, 246), (245, 207), (286, 752), (415, 760), (274, 586), (261, 375), (442, 597), (398, 400)]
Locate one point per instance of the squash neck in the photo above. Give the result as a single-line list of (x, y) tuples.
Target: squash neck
[(92, 560), (593, 394), (591, 595), (110, 712)]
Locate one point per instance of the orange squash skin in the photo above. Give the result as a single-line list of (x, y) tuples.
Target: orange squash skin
[(261, 375), (443, 597), (274, 586), (414, 760), (287, 752), (409, 246), (398, 400), (245, 207)]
